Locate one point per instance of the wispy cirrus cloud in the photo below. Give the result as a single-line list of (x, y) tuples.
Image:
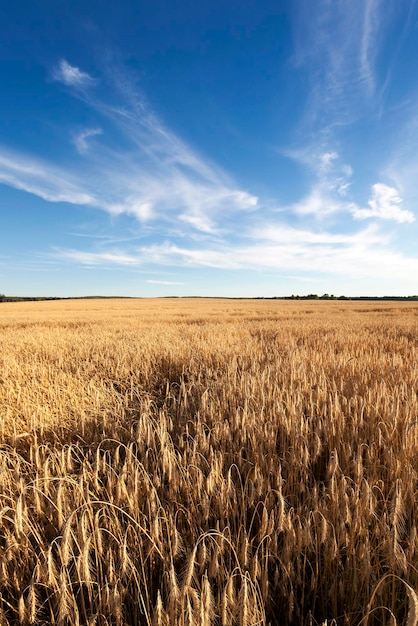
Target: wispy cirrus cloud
[(94, 259), (366, 253), (400, 168), (163, 176), (338, 44), (144, 170), (372, 22), (42, 179), (164, 282), (70, 75), (285, 234), (80, 139), (352, 260), (332, 180)]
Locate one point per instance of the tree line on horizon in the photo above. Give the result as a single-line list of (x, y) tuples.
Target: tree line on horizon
[(311, 296)]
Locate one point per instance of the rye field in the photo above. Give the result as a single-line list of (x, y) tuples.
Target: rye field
[(192, 462)]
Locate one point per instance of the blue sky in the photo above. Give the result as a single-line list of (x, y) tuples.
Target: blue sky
[(209, 148)]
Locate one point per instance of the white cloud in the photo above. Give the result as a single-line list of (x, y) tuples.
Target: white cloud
[(140, 209), (361, 255), (326, 199), (328, 194), (332, 175), (163, 282), (166, 174), (99, 258), (70, 75), (156, 176), (163, 192), (318, 202), (401, 168), (244, 200), (385, 204), (285, 234), (41, 179), (199, 222), (325, 161), (80, 140), (338, 43), (368, 46), (365, 254)]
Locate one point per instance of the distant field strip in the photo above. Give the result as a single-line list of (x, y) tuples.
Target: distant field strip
[(208, 462)]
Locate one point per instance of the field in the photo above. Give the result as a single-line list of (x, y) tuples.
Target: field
[(208, 462)]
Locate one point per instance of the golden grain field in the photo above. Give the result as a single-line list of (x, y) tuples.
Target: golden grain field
[(208, 462)]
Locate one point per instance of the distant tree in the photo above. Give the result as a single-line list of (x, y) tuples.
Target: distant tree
[(2, 297)]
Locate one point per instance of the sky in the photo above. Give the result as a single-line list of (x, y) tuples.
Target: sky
[(241, 148)]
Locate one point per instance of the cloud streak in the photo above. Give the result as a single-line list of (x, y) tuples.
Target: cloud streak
[(164, 282), (338, 44), (80, 140), (70, 75), (94, 259), (41, 179), (366, 253), (147, 173), (369, 48)]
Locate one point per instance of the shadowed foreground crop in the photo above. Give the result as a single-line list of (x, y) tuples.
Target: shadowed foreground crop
[(193, 462)]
